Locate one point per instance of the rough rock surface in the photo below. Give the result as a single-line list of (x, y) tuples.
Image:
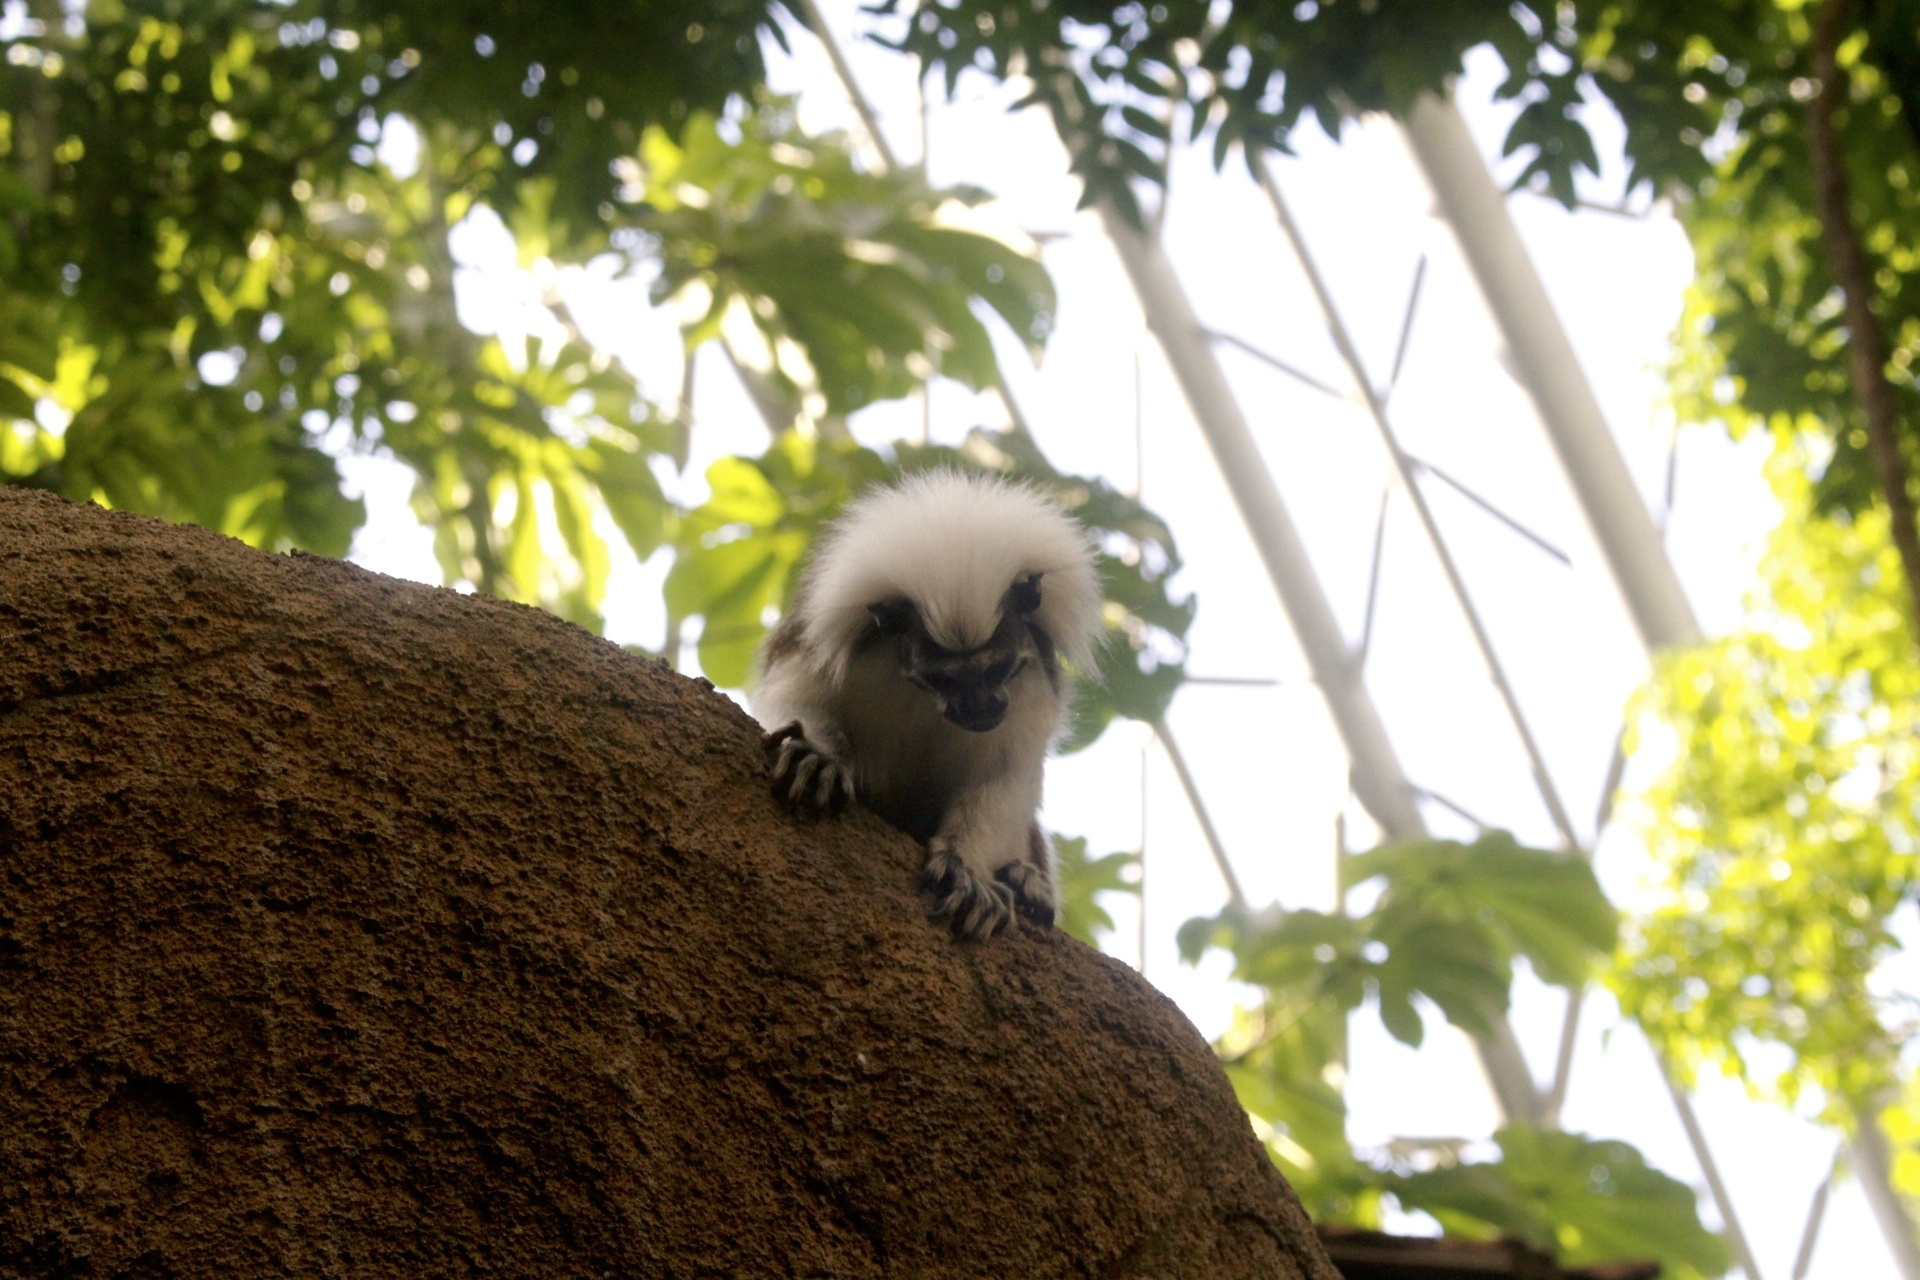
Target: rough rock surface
[(349, 926)]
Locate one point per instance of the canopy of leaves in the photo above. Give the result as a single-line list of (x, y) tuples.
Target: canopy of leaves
[(1786, 825), (210, 275), (1587, 1201), (581, 82), (215, 288), (1119, 77), (1763, 342), (740, 553)]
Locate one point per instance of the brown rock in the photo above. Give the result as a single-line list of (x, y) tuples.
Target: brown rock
[(349, 926)]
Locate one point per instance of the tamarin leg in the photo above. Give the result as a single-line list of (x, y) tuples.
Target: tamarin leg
[(805, 778), (1031, 880)]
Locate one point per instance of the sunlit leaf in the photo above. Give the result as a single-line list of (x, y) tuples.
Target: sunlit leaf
[(853, 270)]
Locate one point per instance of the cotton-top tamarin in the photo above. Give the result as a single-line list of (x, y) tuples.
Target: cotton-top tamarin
[(922, 670)]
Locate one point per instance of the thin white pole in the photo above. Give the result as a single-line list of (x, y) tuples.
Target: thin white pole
[(1142, 940), (1816, 1214), (1403, 471), (869, 119), (1378, 779), (1545, 361), (1736, 1238), (1621, 526), (1192, 788)]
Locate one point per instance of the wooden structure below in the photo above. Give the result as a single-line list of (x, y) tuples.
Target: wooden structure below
[(1373, 1255)]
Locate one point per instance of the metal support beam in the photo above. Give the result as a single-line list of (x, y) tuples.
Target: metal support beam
[(1871, 1158), (1816, 1214), (809, 12), (1378, 779), (1403, 470), (1544, 360), (1736, 1238), (1546, 365)]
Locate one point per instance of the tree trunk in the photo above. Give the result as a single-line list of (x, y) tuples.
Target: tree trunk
[(352, 925), (1866, 342)]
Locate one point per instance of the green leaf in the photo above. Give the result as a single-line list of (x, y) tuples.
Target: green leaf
[(1456, 965), (632, 494), (1444, 929), (1399, 1016), (856, 275), (1585, 1200), (1543, 905), (1082, 879), (1777, 876)]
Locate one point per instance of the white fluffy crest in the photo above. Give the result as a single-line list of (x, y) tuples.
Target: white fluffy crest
[(953, 544)]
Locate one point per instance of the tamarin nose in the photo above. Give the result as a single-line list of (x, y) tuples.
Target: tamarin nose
[(976, 711)]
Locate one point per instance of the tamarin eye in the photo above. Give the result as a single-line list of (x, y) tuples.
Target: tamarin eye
[(893, 617), (1023, 597)]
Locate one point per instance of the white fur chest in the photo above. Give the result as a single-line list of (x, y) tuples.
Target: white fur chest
[(910, 764)]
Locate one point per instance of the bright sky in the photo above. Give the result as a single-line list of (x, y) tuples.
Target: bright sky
[(1270, 766)]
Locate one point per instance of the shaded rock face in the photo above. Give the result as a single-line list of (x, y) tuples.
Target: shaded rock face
[(349, 926)]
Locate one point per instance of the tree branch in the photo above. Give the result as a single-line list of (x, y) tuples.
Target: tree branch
[(479, 515), (1866, 342)]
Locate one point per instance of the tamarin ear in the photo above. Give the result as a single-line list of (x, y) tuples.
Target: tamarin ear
[(1023, 597), (893, 617)]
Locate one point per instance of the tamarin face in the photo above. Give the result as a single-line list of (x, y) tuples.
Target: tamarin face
[(973, 687)]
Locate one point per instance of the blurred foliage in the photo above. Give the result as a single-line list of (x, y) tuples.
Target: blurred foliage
[(740, 551), (1446, 923), (1586, 1200), (1287, 1060), (192, 209), (860, 285), (1785, 825), (1121, 79), (1082, 879), (216, 289), (739, 555), (580, 82), (1763, 343)]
